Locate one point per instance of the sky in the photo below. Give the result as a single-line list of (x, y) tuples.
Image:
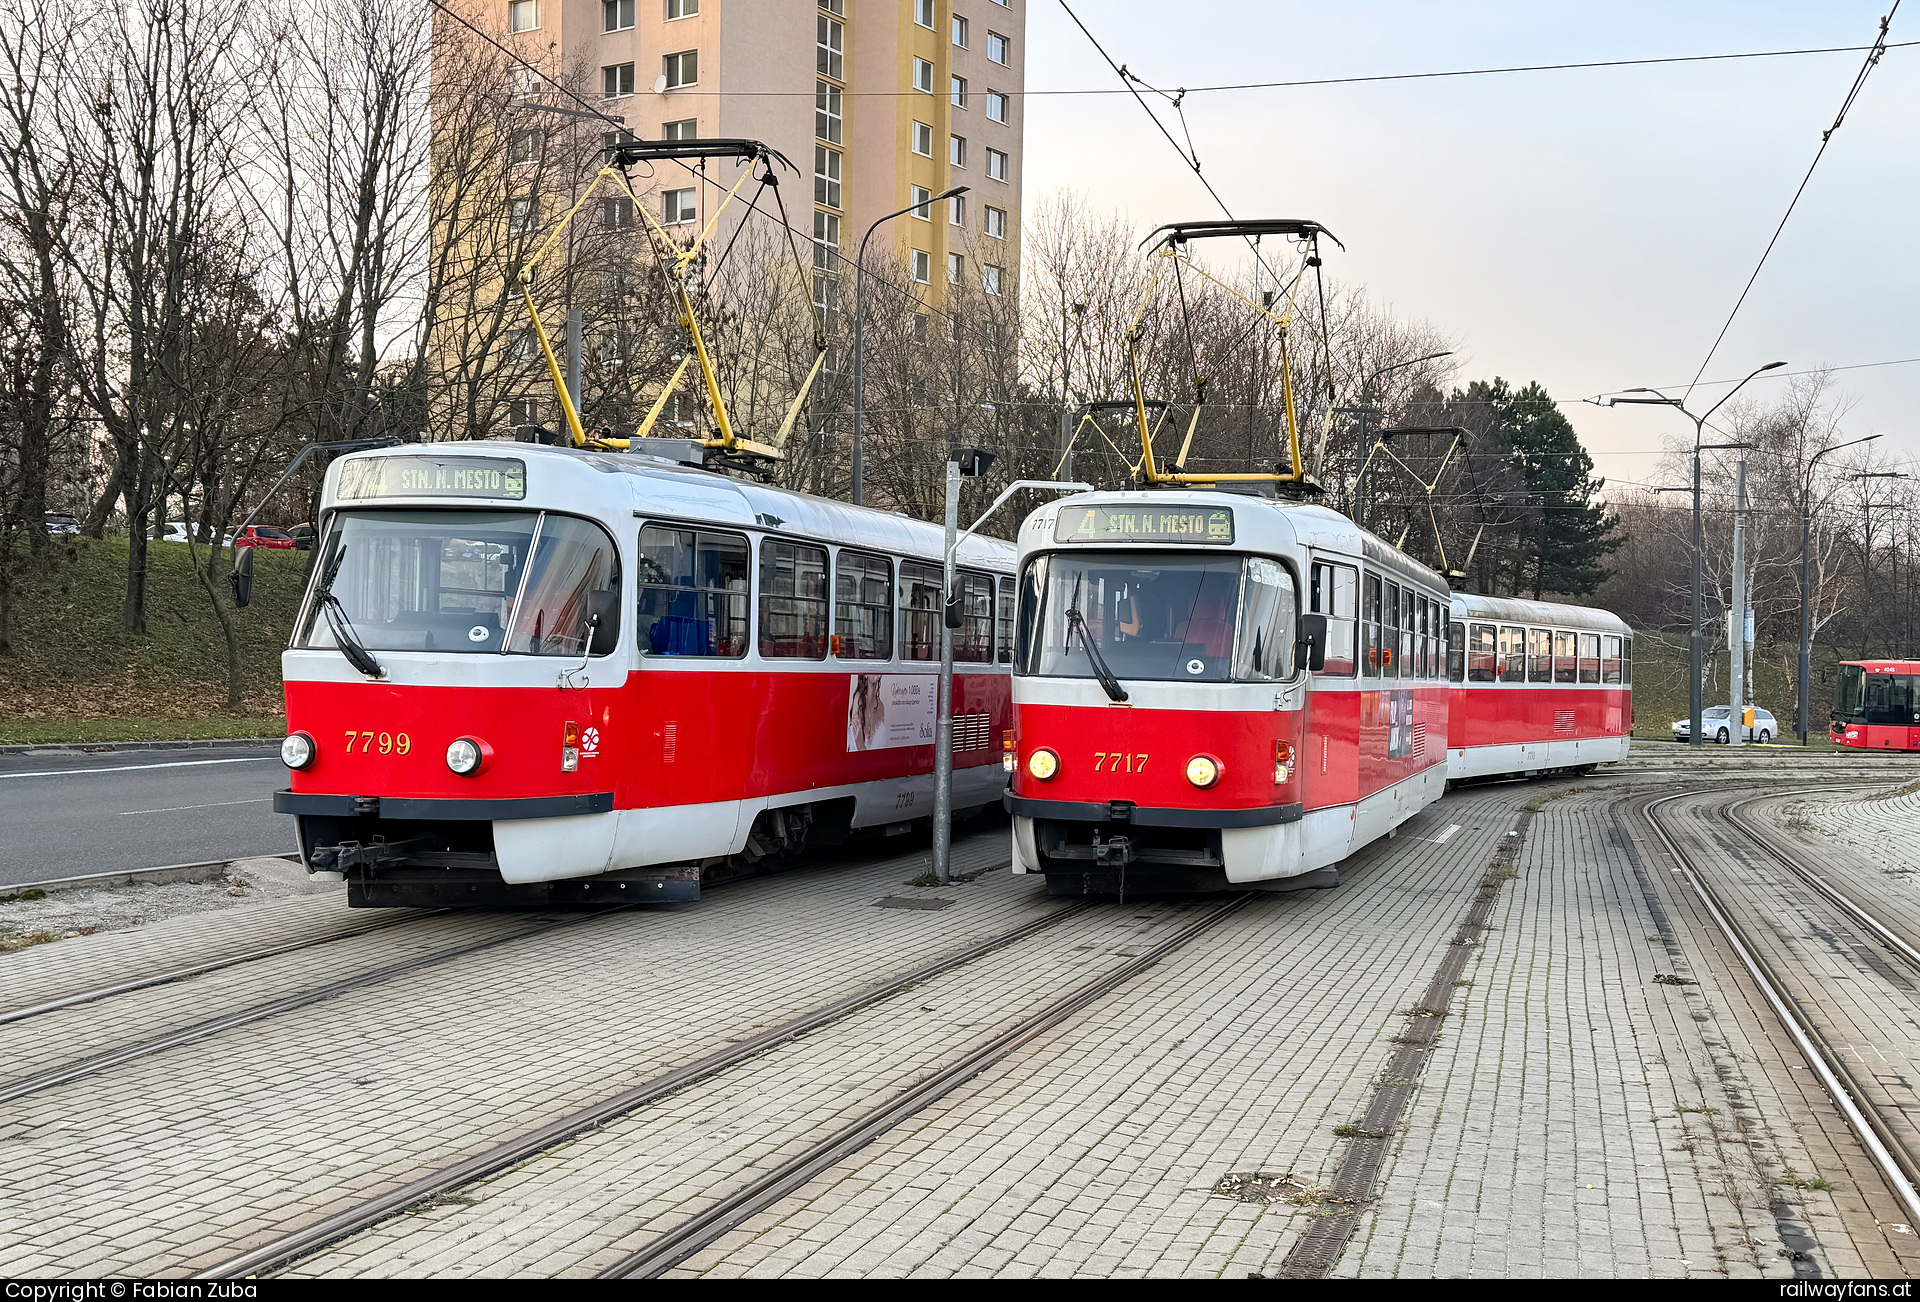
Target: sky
[(1587, 229)]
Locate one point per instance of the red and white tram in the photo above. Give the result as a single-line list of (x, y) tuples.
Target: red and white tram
[(1877, 705), (1216, 688), (535, 675), (1538, 687)]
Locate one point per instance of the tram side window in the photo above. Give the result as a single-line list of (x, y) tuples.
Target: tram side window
[(1390, 633), (793, 601), (973, 640), (693, 592), (1426, 637), (1483, 656), (1456, 651), (1006, 621), (1589, 657), (575, 575), (1513, 654), (1334, 592), (863, 607), (1539, 655), (1407, 603), (919, 611), (1610, 659), (1566, 663), (1626, 661), (1265, 647), (1370, 626)]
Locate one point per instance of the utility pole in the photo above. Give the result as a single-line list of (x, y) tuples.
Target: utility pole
[(1737, 615), (1803, 690), (574, 341)]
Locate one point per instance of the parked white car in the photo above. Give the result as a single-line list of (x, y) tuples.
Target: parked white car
[(1716, 724)]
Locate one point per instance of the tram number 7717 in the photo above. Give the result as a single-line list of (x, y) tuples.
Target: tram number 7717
[(1114, 759)]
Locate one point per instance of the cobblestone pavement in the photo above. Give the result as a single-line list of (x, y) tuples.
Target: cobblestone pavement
[(1576, 1116)]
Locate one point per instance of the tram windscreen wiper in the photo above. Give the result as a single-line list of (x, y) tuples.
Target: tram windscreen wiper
[(343, 635), (1076, 622)]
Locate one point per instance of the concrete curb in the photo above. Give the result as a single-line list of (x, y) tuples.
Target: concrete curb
[(92, 747), (205, 870)]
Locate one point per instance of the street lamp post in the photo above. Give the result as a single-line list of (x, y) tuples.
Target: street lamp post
[(859, 336), (1364, 410), (1806, 586), (1696, 656)]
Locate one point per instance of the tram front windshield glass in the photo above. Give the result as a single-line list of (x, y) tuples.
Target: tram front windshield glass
[(1157, 617), (448, 581)]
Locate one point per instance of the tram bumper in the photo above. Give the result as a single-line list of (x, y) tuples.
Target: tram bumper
[(1116, 847)]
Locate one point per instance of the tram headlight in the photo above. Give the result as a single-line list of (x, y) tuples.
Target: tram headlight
[(1043, 764), (466, 755), (1203, 771), (297, 751)]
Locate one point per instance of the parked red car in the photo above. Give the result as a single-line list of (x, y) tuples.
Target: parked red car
[(263, 535)]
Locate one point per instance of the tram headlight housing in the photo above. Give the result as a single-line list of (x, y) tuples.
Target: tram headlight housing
[(1203, 771), (466, 755), (1043, 764), (297, 751)]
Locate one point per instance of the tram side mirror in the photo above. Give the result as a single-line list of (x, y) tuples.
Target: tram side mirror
[(603, 621), (241, 580), (953, 612), (1311, 651)]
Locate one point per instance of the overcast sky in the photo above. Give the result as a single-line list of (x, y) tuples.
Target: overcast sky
[(1587, 229)]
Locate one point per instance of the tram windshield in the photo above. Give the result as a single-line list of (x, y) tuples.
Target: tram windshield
[(1892, 700), (466, 582), (1154, 616)]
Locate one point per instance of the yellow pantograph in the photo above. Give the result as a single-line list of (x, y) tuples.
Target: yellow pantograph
[(678, 266)]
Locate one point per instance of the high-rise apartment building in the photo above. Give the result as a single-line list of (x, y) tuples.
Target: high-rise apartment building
[(877, 102)]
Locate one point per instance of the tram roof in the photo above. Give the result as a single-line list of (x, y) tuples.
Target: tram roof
[(1514, 610), (656, 488), (1261, 522)]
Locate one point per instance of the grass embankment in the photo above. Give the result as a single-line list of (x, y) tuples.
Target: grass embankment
[(75, 675), (1660, 688)]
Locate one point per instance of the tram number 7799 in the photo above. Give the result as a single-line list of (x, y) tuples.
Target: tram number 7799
[(1115, 759)]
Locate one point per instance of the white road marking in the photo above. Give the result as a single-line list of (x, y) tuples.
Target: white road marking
[(132, 768), (1453, 830), (212, 804)]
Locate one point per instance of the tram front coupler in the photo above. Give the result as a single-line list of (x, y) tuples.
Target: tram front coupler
[(348, 855), (1115, 852)]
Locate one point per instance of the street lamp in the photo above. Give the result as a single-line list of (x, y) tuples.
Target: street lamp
[(859, 334), (1366, 409), (1697, 657), (1806, 582)]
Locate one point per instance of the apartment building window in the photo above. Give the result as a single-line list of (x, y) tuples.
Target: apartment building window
[(996, 222), (957, 150), (683, 69), (523, 147), (996, 165), (957, 210), (522, 85), (522, 15), (960, 31), (826, 176), (684, 129), (920, 328), (682, 9), (616, 214), (996, 106), (955, 265), (923, 76), (959, 92), (520, 216), (826, 296), (999, 48), (617, 79), (922, 200), (922, 267), (612, 350), (837, 7), (617, 15), (990, 279), (677, 207), (612, 140), (923, 13), (923, 140), (830, 57), (826, 241), (523, 411), (826, 111)]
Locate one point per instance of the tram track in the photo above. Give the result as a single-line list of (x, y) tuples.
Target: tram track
[(1893, 1156)]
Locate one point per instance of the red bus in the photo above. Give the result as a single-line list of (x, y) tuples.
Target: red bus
[(1877, 706)]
